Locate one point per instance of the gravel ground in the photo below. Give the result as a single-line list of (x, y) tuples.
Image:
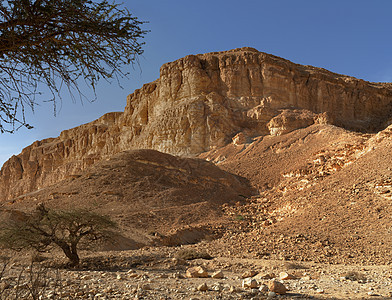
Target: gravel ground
[(160, 273)]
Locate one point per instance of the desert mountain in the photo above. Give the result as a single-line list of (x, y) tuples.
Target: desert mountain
[(289, 161), (199, 103)]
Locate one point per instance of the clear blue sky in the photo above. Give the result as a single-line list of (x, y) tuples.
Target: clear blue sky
[(352, 37)]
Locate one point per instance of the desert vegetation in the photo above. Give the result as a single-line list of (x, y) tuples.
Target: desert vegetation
[(45, 228)]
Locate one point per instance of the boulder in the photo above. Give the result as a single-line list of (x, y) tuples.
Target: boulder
[(277, 287)]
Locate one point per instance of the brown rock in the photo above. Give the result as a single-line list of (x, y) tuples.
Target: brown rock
[(249, 273), (265, 276), (289, 120), (196, 272), (277, 287), (217, 275), (263, 288), (286, 276), (202, 287), (199, 103), (250, 283), (239, 139)]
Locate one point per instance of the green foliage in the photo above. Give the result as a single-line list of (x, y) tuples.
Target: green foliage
[(68, 230), (57, 43)]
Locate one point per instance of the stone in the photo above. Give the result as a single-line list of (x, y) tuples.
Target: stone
[(277, 287), (247, 274), (239, 139), (202, 287), (199, 103), (286, 276), (178, 275), (217, 275), (250, 283), (178, 261), (133, 275), (265, 276), (196, 272), (271, 294), (263, 288), (289, 120), (217, 287), (144, 286)]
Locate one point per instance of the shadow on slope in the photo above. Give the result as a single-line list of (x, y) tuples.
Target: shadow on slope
[(155, 197)]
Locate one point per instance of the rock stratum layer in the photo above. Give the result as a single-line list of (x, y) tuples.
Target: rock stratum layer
[(199, 103)]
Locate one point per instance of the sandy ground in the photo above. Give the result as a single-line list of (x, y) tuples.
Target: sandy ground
[(158, 273)]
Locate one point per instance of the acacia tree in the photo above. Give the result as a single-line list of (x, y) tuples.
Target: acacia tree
[(67, 230), (58, 44)]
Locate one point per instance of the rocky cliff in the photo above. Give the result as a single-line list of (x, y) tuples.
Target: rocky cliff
[(199, 103)]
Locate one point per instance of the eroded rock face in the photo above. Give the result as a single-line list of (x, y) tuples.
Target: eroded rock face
[(199, 103)]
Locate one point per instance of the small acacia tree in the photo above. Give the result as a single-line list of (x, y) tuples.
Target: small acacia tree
[(56, 43), (67, 230)]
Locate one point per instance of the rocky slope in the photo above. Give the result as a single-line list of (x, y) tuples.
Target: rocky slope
[(200, 103), (151, 195), (325, 196)]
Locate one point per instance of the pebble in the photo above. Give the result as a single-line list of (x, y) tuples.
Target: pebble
[(286, 276), (144, 286), (263, 288), (203, 287), (271, 295), (217, 275), (247, 274), (196, 272), (249, 283), (178, 275), (265, 276)]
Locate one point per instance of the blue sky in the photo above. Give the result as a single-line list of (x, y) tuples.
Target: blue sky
[(352, 37)]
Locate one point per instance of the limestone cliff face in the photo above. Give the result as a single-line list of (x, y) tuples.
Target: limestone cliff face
[(201, 102)]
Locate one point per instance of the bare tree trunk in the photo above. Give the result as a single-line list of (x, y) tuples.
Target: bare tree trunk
[(71, 253)]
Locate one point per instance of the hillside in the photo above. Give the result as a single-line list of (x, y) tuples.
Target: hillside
[(258, 162), (199, 103), (150, 194), (324, 196)]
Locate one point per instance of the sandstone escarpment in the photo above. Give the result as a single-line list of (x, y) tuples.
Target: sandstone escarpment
[(199, 103)]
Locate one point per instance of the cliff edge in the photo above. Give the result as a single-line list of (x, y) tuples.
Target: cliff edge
[(199, 103)]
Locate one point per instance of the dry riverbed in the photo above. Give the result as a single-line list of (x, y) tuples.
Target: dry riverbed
[(161, 273)]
